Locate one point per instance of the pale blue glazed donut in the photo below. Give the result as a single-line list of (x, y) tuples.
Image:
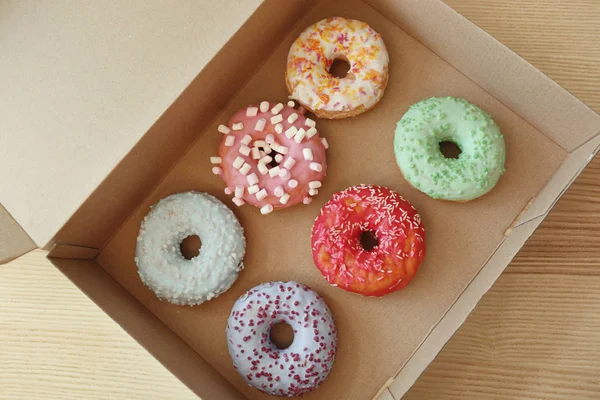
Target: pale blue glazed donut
[(163, 268)]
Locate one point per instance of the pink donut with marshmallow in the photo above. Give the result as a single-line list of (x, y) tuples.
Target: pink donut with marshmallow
[(271, 156)]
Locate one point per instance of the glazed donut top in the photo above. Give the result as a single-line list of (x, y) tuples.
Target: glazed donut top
[(313, 53)]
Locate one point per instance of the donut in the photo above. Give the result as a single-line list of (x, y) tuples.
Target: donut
[(430, 122), (310, 59), (271, 156), (368, 240), (162, 267), (282, 372)]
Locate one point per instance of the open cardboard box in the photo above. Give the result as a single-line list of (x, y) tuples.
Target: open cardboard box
[(384, 344)]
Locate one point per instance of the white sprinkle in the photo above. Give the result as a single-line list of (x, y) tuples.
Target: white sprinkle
[(284, 199), (253, 189), (310, 122), (314, 184), (273, 172), (237, 201), (216, 170), (245, 150), (264, 106), (307, 200), (262, 193), (262, 168), (308, 155), (238, 162), (238, 127), (246, 140), (278, 191), (292, 118), (289, 163), (279, 148), (267, 149), (239, 191), (284, 173), (325, 143), (293, 183), (265, 160), (252, 179), (291, 103), (312, 131), (277, 109), (260, 125), (315, 166), (215, 160), (251, 111), (278, 158), (278, 128), (266, 209), (224, 129), (255, 153), (229, 140), (313, 192), (276, 119), (270, 138), (290, 132), (228, 191), (245, 169), (300, 135)]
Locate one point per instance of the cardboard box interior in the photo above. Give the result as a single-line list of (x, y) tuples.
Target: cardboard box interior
[(377, 337)]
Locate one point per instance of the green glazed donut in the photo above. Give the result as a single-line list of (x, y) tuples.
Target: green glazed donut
[(417, 147)]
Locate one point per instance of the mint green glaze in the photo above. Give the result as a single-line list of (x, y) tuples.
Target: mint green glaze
[(429, 122)]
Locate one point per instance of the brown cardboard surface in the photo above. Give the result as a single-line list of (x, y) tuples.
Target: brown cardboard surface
[(376, 336), (14, 241)]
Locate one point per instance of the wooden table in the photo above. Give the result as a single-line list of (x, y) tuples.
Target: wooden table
[(535, 335)]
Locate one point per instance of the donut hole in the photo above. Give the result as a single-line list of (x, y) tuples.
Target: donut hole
[(282, 335), (450, 149), (368, 240), (273, 154), (339, 68), (190, 247)]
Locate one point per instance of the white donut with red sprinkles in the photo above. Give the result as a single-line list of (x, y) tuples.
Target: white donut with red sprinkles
[(301, 367)]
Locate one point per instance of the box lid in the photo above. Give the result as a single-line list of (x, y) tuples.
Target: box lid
[(84, 82)]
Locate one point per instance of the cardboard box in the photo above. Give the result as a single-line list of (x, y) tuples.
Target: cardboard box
[(101, 91)]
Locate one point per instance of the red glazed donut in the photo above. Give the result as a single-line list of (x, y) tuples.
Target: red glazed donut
[(271, 156), (368, 240)]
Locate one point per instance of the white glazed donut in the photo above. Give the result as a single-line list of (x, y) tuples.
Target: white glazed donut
[(163, 268), (282, 372)]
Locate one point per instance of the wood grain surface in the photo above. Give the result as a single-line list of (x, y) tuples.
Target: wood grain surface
[(535, 335)]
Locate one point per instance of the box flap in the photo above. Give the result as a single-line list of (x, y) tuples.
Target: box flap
[(84, 82), (14, 242)]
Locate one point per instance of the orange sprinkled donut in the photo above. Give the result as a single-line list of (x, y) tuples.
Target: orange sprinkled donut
[(368, 240), (312, 55)]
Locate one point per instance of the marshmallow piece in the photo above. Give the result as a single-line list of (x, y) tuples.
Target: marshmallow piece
[(260, 125), (289, 163), (284, 199), (216, 170), (300, 135), (312, 131), (278, 158), (255, 153), (307, 200), (273, 172), (309, 122), (315, 166), (277, 109), (252, 179), (270, 138), (228, 191), (276, 119), (265, 160), (246, 140), (239, 191), (278, 128), (238, 126), (215, 160), (284, 173), (245, 169), (267, 149), (325, 143), (313, 192), (253, 189), (259, 143), (237, 201), (266, 209), (278, 191), (308, 155), (245, 150), (293, 183), (291, 103), (279, 148), (314, 184), (251, 111), (224, 129), (238, 162), (229, 140), (264, 106), (290, 132), (262, 168), (292, 118), (262, 193)]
